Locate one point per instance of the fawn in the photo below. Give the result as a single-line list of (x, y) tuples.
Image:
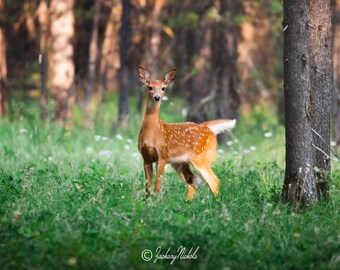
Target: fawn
[(180, 144)]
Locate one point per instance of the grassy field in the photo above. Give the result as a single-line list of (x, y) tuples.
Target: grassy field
[(75, 200)]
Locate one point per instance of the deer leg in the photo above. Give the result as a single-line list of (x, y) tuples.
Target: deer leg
[(206, 172), (148, 176), (160, 171), (189, 178)]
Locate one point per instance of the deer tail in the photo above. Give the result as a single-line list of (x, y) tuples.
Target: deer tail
[(220, 126)]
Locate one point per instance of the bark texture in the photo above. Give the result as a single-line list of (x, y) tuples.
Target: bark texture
[(307, 88), (336, 65), (321, 90), (299, 184)]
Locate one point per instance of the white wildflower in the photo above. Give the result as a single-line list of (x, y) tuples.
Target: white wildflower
[(252, 148), (230, 143), (23, 130), (268, 134), (220, 151), (333, 143), (246, 151), (97, 138), (105, 153), (89, 150), (136, 156), (126, 147), (184, 112), (129, 141), (119, 137), (165, 98), (105, 138)]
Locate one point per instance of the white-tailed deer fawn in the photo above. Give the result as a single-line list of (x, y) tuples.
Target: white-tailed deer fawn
[(180, 144)]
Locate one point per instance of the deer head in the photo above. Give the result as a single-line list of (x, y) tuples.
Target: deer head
[(156, 88)]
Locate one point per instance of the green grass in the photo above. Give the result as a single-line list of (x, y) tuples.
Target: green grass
[(69, 201)]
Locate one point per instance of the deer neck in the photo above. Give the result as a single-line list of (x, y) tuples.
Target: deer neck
[(153, 108), (151, 117)]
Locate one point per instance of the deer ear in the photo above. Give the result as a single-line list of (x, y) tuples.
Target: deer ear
[(143, 74), (170, 76)]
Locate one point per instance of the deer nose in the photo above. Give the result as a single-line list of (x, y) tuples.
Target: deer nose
[(157, 98)]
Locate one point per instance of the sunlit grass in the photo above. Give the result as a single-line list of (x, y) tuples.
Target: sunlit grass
[(75, 199)]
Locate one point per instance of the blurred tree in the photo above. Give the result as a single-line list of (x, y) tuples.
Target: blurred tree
[(227, 34), (154, 39), (28, 19), (307, 88), (260, 53), (3, 62), (92, 64), (182, 34), (43, 19), (140, 15), (125, 64), (61, 58), (109, 61), (198, 41)]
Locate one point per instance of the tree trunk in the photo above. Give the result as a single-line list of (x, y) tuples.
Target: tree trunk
[(299, 185), (321, 91), (61, 58), (109, 59), (43, 19), (307, 87), (125, 74), (110, 62), (155, 38), (3, 65), (336, 65), (199, 84), (227, 97), (91, 69)]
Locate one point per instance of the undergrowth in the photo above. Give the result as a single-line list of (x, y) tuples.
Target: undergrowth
[(75, 200)]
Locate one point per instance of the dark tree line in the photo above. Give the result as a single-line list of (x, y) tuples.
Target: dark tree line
[(102, 42)]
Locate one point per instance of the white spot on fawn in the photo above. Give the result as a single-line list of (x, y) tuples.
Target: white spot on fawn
[(179, 159)]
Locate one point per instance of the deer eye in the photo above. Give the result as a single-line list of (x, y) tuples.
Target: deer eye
[(163, 88), (150, 87)]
